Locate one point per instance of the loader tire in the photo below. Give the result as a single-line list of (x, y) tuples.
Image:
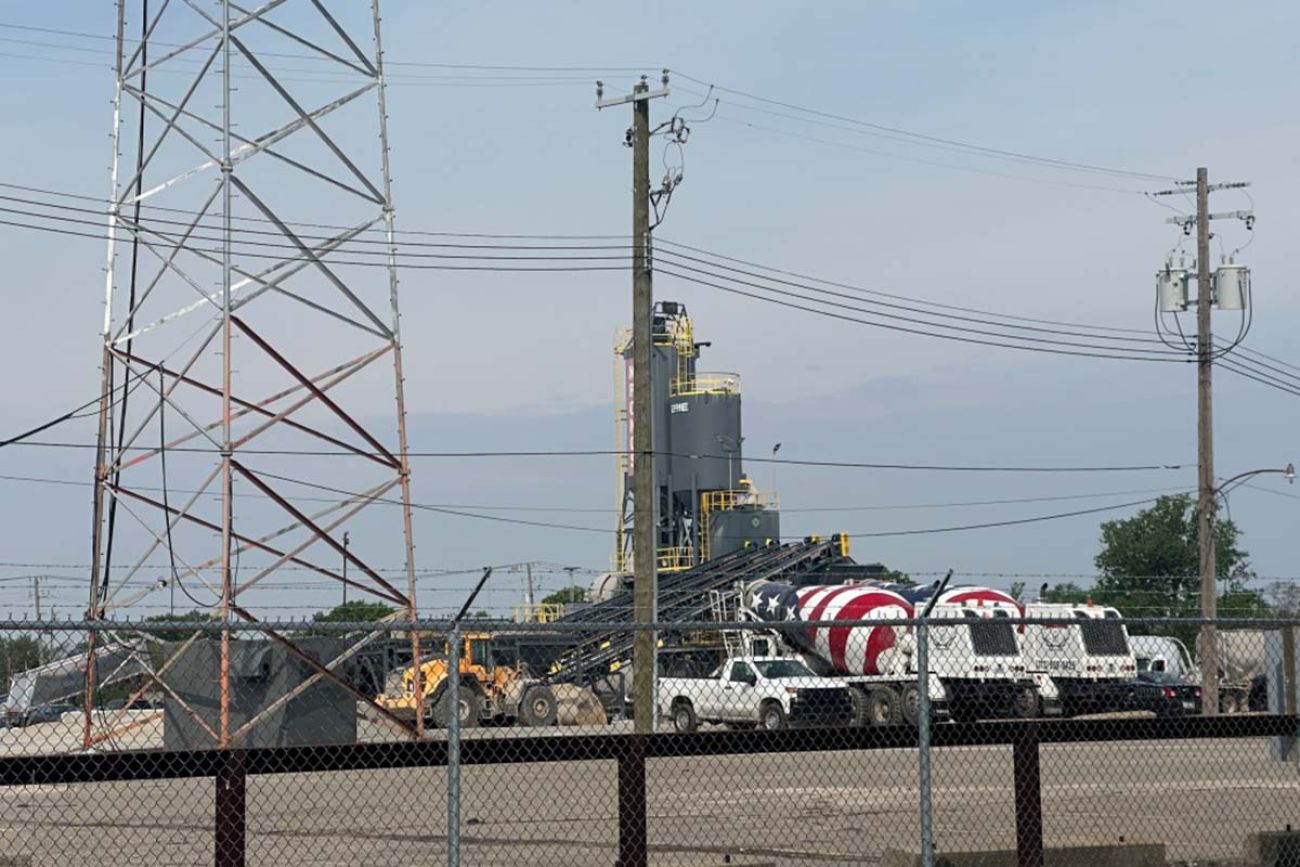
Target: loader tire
[(538, 706), (471, 706)]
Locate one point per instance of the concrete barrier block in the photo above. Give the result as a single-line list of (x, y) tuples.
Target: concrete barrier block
[(1273, 848), (1124, 855)]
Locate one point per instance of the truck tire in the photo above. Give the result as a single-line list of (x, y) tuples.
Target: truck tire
[(684, 719), (884, 707), (471, 705), (771, 716), (911, 705), (538, 706), (1028, 705), (858, 708)]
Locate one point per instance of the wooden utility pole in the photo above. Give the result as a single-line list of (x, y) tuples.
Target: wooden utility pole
[(1208, 493), (644, 579), (644, 595), (1207, 499)]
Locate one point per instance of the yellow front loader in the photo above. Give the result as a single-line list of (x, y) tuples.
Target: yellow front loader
[(490, 693)]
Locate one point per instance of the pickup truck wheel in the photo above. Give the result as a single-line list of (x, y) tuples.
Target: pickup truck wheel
[(684, 719), (884, 707), (771, 716)]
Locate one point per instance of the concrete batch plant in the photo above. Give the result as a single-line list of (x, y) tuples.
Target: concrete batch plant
[(705, 505)]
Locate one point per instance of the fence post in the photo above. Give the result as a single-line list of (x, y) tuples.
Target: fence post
[(453, 744), (229, 825), (1028, 794), (923, 739), (633, 839)]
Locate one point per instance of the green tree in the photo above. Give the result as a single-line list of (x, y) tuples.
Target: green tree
[(359, 611), (18, 654), (566, 596), (1069, 592), (1150, 563), (895, 577), (194, 616)]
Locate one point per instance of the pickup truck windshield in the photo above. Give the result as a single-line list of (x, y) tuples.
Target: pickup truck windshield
[(782, 668)]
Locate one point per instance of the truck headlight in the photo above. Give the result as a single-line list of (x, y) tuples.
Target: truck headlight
[(791, 690)]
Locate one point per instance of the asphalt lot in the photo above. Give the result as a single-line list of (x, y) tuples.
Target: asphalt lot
[(1198, 797)]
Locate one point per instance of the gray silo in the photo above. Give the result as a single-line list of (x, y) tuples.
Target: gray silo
[(706, 506)]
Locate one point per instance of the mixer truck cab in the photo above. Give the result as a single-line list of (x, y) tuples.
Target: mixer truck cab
[(771, 692), (975, 649), (1085, 650)]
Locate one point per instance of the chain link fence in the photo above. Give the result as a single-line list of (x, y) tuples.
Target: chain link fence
[(969, 733)]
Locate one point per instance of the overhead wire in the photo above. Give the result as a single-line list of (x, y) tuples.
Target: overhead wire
[(940, 141), (581, 453), (1007, 523), (670, 249), (858, 295), (783, 296), (787, 510)]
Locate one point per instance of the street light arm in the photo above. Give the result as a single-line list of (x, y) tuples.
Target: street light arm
[(1288, 471)]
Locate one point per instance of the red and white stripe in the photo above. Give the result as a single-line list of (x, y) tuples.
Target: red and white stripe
[(852, 649)]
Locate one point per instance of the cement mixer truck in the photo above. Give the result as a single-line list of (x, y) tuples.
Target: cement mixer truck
[(976, 670), (874, 660), (978, 653)]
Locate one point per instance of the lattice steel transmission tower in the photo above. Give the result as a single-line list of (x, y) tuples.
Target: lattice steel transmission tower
[(250, 331)]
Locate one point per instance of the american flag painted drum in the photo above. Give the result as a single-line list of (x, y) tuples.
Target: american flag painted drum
[(850, 649)]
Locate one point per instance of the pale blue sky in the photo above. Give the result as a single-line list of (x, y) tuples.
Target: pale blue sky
[(511, 361)]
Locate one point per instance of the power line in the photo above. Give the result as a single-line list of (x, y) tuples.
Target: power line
[(98, 214), (895, 306), (100, 236), (958, 144), (499, 507), (1137, 332), (1009, 523), (335, 226), (302, 56), (1078, 185), (1005, 322), (975, 503), (582, 453), (1102, 352)]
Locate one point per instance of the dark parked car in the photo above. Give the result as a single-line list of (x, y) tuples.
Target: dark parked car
[(1164, 694)]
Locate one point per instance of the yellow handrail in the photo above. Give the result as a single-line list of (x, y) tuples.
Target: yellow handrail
[(705, 383)]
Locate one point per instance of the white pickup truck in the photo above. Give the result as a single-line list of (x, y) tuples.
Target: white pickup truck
[(770, 692)]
